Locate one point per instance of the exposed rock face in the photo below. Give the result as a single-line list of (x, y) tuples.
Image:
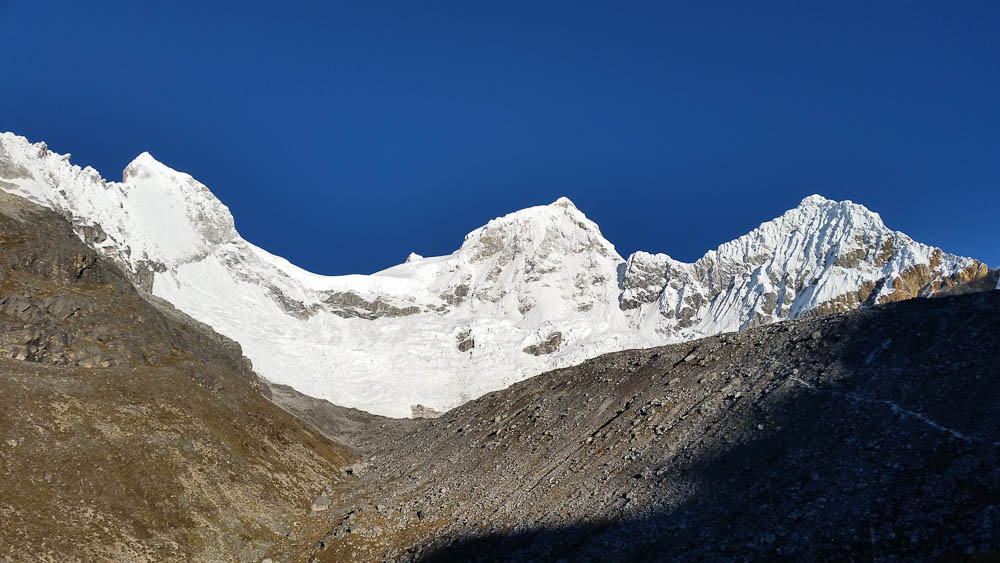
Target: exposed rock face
[(61, 304), (644, 279), (985, 283), (465, 341), (348, 305), (549, 345), (320, 503), (851, 436), (129, 431), (512, 282)]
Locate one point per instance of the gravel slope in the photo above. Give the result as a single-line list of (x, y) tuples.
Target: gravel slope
[(870, 435)]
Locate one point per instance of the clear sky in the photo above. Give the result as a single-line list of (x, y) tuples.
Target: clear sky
[(344, 135)]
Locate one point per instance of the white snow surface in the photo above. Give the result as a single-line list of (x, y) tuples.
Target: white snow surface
[(389, 341)]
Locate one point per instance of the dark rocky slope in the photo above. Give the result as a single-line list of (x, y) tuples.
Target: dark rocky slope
[(871, 435), (127, 430)]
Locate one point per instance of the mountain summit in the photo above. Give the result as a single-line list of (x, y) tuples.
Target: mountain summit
[(822, 256), (536, 289)]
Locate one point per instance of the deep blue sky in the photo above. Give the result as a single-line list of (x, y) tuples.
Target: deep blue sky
[(345, 135)]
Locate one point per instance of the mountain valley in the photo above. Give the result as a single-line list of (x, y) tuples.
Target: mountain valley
[(823, 388)]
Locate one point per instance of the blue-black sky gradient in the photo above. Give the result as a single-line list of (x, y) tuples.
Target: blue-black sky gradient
[(345, 135)]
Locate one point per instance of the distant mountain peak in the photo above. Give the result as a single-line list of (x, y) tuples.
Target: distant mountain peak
[(535, 289), (145, 163), (815, 199), (541, 228), (144, 158), (563, 202), (821, 256)]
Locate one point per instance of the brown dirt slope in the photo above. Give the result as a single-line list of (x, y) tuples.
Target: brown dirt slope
[(869, 435), (127, 430)]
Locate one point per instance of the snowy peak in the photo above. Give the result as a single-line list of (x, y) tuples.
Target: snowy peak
[(646, 277), (563, 202), (831, 211), (816, 203), (155, 219), (549, 260), (146, 166), (816, 199), (144, 163), (178, 208), (822, 256), (538, 230), (813, 226), (533, 290), (811, 232)]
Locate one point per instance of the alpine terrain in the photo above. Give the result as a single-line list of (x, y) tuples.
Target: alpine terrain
[(531, 291), (781, 398)]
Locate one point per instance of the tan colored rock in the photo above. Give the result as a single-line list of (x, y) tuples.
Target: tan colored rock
[(320, 503)]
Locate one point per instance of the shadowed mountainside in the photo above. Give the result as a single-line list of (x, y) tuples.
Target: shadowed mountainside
[(870, 435)]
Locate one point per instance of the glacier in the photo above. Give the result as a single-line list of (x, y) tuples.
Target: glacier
[(533, 290)]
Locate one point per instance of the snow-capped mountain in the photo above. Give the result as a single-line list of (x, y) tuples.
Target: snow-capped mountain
[(820, 257), (534, 290)]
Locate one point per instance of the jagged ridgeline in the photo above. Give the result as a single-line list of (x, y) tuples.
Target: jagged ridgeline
[(537, 289)]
